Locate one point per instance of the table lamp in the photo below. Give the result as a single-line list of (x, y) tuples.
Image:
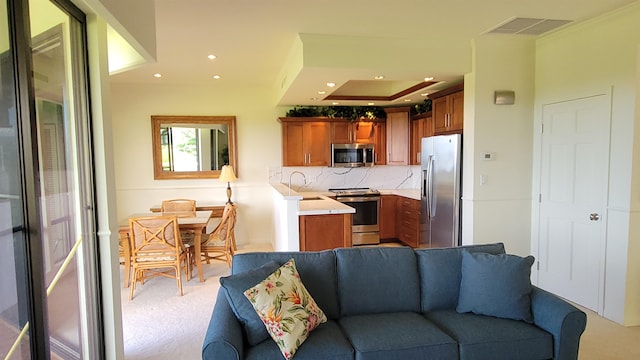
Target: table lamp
[(227, 174)]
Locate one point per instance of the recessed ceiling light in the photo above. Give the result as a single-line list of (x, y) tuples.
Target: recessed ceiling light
[(428, 78), (331, 84), (335, 103), (157, 75), (424, 94), (371, 103), (379, 77), (211, 56), (407, 100), (322, 92), (313, 98), (216, 77)]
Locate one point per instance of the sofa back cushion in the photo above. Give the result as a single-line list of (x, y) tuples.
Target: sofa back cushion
[(440, 274), (377, 279), (317, 272)]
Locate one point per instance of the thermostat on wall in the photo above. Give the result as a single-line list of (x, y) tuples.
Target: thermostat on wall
[(488, 156)]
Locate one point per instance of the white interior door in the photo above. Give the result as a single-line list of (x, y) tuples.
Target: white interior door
[(574, 175)]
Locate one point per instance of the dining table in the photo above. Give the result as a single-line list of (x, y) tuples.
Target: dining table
[(187, 221)]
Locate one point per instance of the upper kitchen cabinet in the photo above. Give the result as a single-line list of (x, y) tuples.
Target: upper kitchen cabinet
[(347, 132), (421, 126), (380, 143), (398, 125), (305, 142), (448, 109)]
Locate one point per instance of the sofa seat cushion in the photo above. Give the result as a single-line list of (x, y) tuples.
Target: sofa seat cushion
[(483, 337), (401, 335), (377, 280), (325, 342)]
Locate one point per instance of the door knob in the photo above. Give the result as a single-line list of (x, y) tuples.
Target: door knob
[(594, 216)]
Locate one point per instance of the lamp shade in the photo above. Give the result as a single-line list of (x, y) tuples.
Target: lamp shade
[(227, 174)]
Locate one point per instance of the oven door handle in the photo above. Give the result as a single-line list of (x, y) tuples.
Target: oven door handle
[(358, 199)]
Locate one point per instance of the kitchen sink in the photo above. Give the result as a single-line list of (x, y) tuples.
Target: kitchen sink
[(312, 198)]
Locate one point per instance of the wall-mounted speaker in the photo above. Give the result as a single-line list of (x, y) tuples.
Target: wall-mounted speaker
[(504, 97)]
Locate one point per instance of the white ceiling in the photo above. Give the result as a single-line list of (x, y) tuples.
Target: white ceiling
[(296, 46)]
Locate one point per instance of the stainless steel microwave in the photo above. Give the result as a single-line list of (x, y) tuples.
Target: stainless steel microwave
[(352, 155)]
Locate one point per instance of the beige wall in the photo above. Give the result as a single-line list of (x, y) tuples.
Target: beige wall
[(601, 56), (259, 147), (498, 209)]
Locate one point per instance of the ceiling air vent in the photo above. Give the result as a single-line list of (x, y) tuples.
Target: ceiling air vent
[(528, 26)]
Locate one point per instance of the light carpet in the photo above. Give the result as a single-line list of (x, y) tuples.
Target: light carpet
[(160, 324)]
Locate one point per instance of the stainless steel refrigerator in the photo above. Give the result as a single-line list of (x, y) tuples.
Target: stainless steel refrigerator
[(440, 191)]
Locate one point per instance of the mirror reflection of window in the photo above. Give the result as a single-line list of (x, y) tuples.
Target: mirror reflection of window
[(188, 148), (192, 147)]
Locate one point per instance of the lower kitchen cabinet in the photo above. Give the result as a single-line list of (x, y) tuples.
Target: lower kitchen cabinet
[(400, 219), (408, 226), (324, 232), (387, 221)]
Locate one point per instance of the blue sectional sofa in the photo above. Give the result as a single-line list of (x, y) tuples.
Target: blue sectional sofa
[(398, 303)]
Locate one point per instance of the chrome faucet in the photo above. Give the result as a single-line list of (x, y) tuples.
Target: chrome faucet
[(297, 172)]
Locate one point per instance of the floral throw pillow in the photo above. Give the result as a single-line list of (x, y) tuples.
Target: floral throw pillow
[(286, 308)]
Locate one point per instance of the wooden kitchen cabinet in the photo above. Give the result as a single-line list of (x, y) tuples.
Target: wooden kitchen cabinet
[(421, 126), (408, 226), (387, 218), (306, 143), (380, 143), (324, 232), (398, 127), (448, 110), (347, 132)]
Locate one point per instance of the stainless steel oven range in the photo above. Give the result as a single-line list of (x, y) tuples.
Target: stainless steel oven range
[(365, 227)]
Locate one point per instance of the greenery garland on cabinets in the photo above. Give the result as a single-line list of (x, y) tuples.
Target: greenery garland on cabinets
[(423, 107), (353, 113)]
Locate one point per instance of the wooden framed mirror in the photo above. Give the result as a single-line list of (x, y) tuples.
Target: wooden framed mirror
[(192, 147)]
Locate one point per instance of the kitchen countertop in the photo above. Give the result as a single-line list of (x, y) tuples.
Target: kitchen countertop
[(408, 193), (314, 203), (319, 202)]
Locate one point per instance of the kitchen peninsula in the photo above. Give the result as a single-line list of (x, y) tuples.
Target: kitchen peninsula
[(306, 221), (313, 220)]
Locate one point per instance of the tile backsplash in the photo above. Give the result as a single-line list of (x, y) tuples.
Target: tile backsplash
[(321, 178)]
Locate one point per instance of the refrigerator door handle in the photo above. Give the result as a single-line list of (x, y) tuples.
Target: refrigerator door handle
[(425, 191), (429, 195)]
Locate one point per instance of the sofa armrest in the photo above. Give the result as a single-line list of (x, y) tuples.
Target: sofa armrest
[(224, 338), (563, 320)]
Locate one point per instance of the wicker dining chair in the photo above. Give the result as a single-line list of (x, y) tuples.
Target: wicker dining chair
[(124, 252), (156, 250), (180, 207), (220, 243)]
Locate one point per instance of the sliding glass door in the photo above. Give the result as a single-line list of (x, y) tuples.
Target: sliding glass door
[(49, 306)]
